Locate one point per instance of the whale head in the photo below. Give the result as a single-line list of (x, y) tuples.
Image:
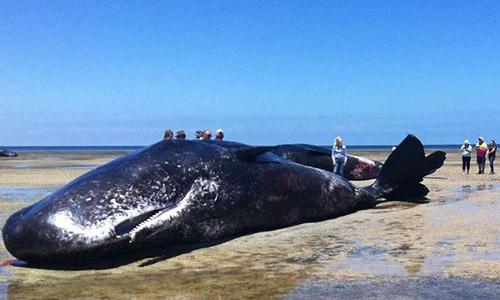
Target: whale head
[(119, 205)]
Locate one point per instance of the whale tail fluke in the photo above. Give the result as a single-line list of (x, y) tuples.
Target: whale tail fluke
[(404, 170), (434, 161)]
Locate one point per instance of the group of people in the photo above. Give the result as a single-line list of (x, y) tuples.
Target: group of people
[(202, 135), (339, 151), (483, 150)]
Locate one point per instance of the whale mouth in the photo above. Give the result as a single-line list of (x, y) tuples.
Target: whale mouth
[(146, 224), (130, 225)]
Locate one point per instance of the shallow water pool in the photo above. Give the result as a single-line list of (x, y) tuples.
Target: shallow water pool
[(24, 194)]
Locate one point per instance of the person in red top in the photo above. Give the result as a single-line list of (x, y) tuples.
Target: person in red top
[(481, 151)]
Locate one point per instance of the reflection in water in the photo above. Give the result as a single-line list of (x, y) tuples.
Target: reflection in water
[(397, 289), (24, 194), (64, 167), (231, 279), (4, 274), (463, 192), (3, 289), (479, 187)]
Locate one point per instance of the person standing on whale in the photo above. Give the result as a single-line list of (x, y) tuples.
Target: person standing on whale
[(180, 135), (207, 135), (168, 135), (339, 156), (219, 135)]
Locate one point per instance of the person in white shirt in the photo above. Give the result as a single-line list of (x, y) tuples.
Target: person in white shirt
[(339, 156), (466, 150), (219, 135)]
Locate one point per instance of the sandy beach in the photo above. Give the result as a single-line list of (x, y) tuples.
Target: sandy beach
[(449, 247)]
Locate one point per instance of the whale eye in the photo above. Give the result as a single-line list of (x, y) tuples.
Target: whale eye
[(126, 226)]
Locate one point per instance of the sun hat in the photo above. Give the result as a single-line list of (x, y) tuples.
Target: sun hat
[(219, 131), (466, 141)]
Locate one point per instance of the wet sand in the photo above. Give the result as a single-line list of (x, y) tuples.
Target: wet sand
[(447, 248)]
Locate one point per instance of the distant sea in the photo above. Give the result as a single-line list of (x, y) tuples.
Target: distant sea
[(133, 148), (72, 148)]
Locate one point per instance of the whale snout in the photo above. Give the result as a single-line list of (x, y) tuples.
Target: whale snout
[(27, 237), (45, 235), (34, 236)]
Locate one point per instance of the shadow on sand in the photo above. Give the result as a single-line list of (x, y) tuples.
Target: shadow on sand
[(154, 255)]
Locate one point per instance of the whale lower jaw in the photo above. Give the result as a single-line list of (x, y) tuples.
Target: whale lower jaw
[(166, 218), (159, 219)]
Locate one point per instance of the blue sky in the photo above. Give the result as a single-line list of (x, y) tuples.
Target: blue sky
[(120, 72)]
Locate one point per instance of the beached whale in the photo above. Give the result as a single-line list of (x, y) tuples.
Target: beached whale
[(7, 153), (187, 192), (356, 167)]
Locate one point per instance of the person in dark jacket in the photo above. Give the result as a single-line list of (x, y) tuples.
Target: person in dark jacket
[(198, 135), (180, 135), (492, 152)]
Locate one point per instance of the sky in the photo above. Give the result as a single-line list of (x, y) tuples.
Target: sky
[(267, 72)]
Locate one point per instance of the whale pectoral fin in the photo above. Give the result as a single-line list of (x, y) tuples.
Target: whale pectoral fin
[(251, 153)]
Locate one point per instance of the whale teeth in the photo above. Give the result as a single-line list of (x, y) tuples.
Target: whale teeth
[(168, 214), (142, 225)]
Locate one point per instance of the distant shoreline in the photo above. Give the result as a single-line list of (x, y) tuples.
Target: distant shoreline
[(91, 149)]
